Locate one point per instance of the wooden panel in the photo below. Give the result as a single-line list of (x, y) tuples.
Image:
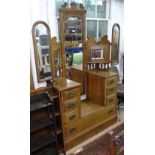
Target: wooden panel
[(31, 79), (95, 88), (77, 75)]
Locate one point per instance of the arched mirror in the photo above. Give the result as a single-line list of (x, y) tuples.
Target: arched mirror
[(115, 44), (43, 51)]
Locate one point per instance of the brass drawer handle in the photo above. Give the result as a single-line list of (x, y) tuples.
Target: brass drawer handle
[(111, 82), (111, 89), (71, 105), (110, 100), (72, 130), (110, 111), (70, 94), (72, 117)]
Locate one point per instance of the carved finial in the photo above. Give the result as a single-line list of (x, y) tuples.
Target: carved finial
[(64, 5), (73, 5), (81, 6)]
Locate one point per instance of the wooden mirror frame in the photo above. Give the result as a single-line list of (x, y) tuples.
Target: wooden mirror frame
[(51, 62), (57, 57), (115, 45), (66, 12)]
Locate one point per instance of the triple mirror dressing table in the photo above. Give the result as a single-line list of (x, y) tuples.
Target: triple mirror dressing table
[(79, 119)]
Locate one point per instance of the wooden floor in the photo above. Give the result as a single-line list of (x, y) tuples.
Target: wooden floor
[(88, 107)]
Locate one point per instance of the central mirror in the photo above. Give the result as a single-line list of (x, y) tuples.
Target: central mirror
[(73, 37), (73, 43)]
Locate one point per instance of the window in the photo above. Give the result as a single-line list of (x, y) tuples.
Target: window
[(97, 16)]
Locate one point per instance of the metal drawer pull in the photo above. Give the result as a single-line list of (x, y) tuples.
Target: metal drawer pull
[(72, 130), (71, 105), (111, 89), (70, 94), (111, 82), (110, 100), (110, 111), (72, 117)]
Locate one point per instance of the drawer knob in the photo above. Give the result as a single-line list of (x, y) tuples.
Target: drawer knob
[(111, 82), (110, 101), (72, 130), (71, 105), (111, 89), (110, 111), (70, 94), (72, 117)]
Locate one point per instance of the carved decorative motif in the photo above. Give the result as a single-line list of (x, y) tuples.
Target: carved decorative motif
[(73, 5)]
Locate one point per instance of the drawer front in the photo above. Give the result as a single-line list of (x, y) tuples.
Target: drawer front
[(111, 81), (89, 122), (70, 104), (72, 130), (111, 110), (111, 99), (70, 93), (111, 90), (71, 116)]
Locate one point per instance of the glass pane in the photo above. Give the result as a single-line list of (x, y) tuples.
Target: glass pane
[(91, 28), (102, 28), (101, 9), (90, 7)]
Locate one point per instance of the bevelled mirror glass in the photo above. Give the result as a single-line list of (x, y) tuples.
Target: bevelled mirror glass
[(115, 44), (73, 42), (43, 50)]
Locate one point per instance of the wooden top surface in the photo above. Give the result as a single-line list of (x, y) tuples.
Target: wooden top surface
[(102, 73), (79, 67), (61, 86)]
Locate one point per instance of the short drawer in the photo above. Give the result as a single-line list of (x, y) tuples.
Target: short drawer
[(111, 90), (71, 116), (111, 81), (71, 130), (70, 93), (71, 104), (111, 99), (111, 110)]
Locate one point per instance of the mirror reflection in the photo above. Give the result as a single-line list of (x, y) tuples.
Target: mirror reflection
[(73, 43), (115, 44), (42, 48), (56, 57)]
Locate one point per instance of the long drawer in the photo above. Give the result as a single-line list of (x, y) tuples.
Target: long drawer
[(89, 121)]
